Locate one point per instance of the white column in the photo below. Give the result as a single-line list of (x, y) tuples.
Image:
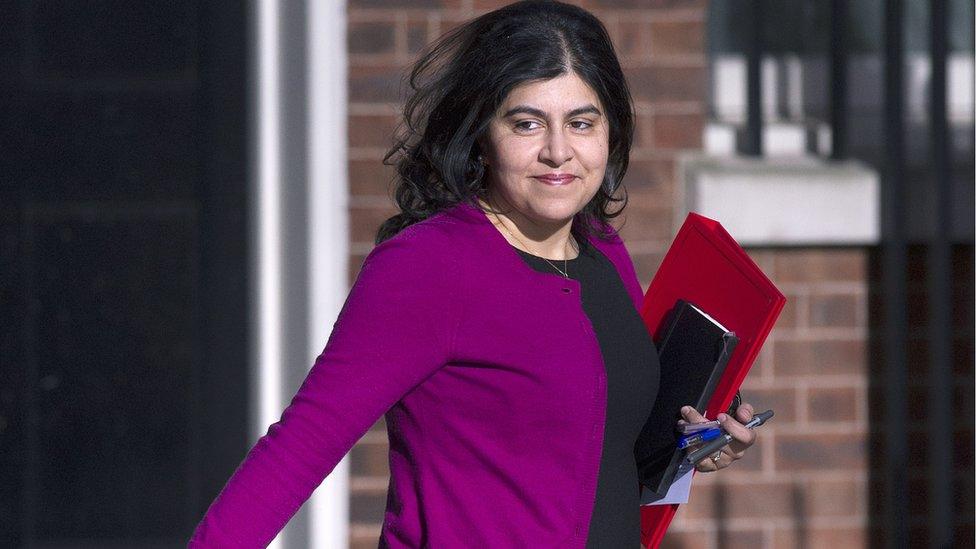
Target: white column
[(328, 225), (266, 267), (300, 235)]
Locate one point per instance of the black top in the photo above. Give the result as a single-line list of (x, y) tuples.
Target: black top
[(631, 362)]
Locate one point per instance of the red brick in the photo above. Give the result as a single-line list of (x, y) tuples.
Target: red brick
[(678, 131), (677, 37), (762, 257), (355, 264), (363, 542), (832, 404), (753, 460), (823, 452), (820, 266), (417, 37), (740, 539), (650, 182), (833, 310), (654, 84), (789, 317), (646, 222), (757, 500), (448, 23), (687, 540), (838, 537), (379, 426), (366, 506), (702, 499), (643, 132), (630, 39), (832, 537), (365, 221), (372, 130), (819, 357), (381, 84), (370, 37), (371, 177), (833, 498), (781, 401), (369, 460), (646, 264)]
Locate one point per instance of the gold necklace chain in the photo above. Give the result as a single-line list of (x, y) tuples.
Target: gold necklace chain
[(564, 271)]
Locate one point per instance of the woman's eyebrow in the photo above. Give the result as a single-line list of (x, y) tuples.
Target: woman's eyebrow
[(525, 109)]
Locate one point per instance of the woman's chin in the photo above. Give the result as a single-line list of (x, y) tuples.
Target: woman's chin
[(555, 216)]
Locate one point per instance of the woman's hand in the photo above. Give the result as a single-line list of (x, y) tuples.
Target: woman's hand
[(742, 438)]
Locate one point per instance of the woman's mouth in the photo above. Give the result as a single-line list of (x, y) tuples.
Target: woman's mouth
[(553, 179)]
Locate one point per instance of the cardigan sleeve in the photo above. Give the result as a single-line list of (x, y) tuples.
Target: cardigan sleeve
[(395, 329)]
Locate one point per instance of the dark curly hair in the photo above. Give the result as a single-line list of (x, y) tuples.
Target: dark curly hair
[(462, 78)]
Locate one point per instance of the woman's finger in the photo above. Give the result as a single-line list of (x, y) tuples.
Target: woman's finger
[(706, 466), (691, 415), (742, 438), (744, 413), (710, 464)]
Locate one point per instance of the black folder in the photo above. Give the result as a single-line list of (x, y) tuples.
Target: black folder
[(693, 350)]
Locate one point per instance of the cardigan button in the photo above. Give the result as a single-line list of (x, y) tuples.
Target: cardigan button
[(567, 290)]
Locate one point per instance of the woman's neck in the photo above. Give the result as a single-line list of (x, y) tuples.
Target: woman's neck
[(551, 242)]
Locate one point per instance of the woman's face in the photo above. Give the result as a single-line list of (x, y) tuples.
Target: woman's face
[(547, 149)]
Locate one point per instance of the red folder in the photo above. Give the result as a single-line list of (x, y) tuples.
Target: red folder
[(707, 267)]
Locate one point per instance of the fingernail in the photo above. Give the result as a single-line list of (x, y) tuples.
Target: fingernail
[(685, 409), (722, 417)]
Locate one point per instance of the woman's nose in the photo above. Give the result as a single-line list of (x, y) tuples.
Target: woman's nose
[(557, 150)]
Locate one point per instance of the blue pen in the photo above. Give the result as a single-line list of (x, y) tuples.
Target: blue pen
[(715, 445), (703, 436)]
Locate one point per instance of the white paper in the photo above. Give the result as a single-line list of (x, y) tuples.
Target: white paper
[(679, 490)]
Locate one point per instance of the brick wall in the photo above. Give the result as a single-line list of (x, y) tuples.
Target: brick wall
[(805, 484)]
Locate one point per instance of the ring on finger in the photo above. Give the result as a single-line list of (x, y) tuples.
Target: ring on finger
[(716, 456)]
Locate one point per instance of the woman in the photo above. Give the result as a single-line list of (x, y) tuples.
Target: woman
[(495, 323)]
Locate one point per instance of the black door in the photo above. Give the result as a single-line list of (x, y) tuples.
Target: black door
[(123, 253)]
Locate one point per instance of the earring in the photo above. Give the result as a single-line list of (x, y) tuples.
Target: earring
[(481, 159)]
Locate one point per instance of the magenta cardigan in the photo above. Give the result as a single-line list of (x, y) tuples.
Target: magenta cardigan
[(493, 386)]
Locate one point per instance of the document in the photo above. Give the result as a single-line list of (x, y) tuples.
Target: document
[(706, 266), (679, 490)]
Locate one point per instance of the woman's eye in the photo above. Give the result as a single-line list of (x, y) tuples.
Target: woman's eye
[(523, 125), (528, 125)]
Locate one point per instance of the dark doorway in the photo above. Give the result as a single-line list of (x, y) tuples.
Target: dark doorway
[(123, 253)]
